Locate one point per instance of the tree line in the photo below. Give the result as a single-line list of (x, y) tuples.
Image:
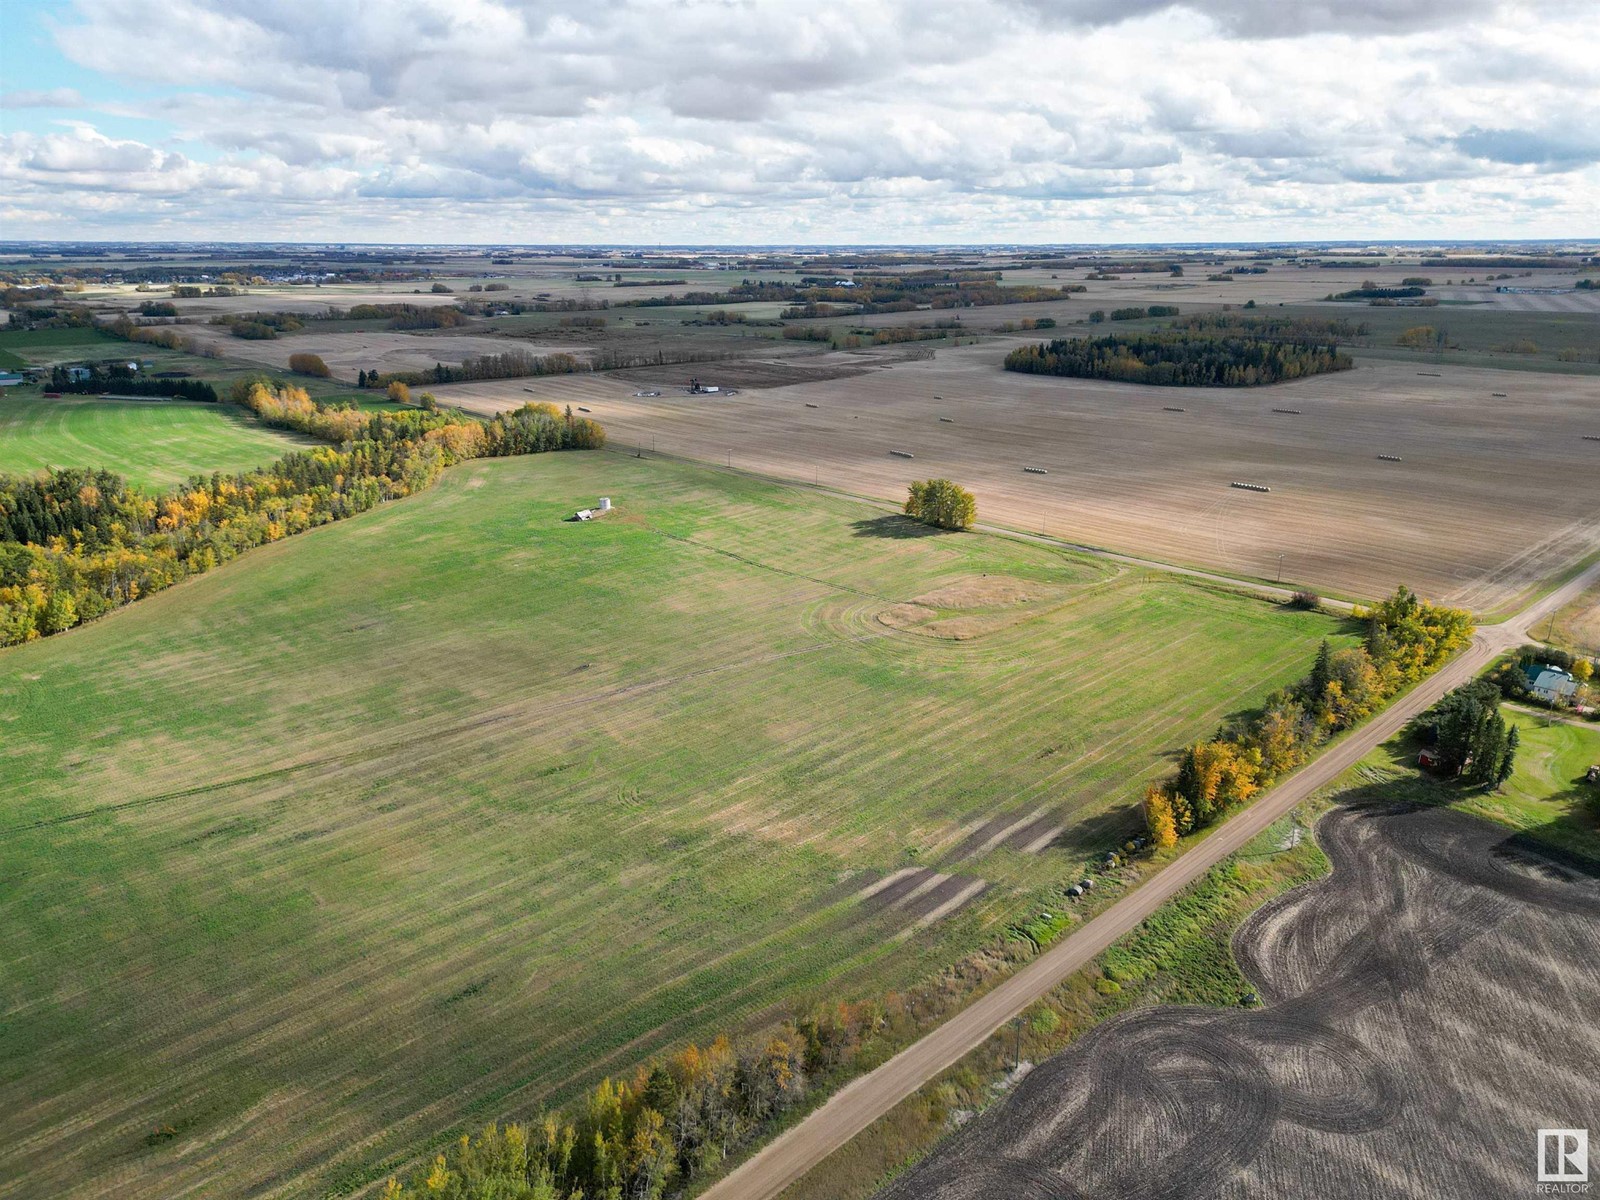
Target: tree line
[(870, 294), (75, 543), (115, 377), (513, 364), (676, 1120), (1406, 639), (1179, 359), (1372, 291), (1274, 327)]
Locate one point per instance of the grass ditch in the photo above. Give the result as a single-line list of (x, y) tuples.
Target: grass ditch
[(1183, 954), (1180, 955)]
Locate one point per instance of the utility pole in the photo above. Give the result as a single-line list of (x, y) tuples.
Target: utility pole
[(1280, 568), (1016, 1053)]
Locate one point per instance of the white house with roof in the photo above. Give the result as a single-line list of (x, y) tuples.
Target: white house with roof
[(1550, 684)]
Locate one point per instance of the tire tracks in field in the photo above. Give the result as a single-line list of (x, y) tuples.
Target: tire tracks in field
[(504, 714), (1175, 1102), (859, 1104)]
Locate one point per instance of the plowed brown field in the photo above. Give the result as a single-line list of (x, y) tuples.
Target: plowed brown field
[(1493, 493)]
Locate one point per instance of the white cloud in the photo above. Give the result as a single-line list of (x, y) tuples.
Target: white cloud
[(54, 98), (884, 120)]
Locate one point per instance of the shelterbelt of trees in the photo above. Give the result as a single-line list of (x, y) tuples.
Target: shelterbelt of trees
[(1179, 359), (75, 544), (658, 1133), (1407, 638), (115, 377), (1273, 326), (868, 294)]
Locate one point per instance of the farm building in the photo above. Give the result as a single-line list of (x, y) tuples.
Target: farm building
[(1429, 759), (1550, 684), (78, 374), (10, 379)]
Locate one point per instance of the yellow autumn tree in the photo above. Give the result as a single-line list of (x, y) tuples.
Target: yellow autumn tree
[(1216, 775), (1158, 818)]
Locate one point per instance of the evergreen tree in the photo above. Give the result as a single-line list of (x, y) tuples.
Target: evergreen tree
[(1321, 673), (1508, 760)]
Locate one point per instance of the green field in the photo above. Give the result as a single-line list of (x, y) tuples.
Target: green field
[(154, 444), (1546, 796), (21, 341), (441, 812)]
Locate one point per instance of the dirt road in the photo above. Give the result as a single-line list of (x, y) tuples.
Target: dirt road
[(862, 1102)]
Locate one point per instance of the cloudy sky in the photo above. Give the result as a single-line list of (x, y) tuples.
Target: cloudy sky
[(743, 121)]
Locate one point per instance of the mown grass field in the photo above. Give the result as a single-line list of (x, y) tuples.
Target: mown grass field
[(441, 813), (1546, 796), (40, 342), (154, 444)]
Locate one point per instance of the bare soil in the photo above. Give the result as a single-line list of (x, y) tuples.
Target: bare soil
[(349, 352), (1492, 493), (1428, 1007)]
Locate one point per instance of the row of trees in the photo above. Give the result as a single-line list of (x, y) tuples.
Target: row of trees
[(874, 293), (159, 335), (677, 1119), (1134, 313), (1179, 359), (513, 364), (75, 544), (1274, 326), (115, 377), (1372, 291), (1406, 639)]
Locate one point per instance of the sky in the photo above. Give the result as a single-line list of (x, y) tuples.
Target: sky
[(755, 122)]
